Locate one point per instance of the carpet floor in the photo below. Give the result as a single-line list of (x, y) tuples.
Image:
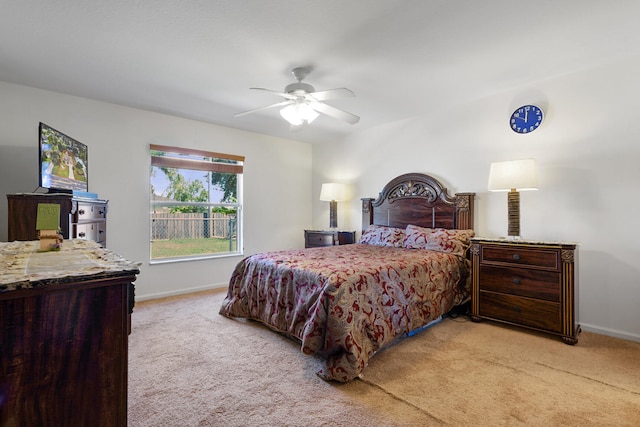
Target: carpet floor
[(189, 366)]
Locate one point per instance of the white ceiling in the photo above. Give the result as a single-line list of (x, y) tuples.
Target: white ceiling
[(402, 58)]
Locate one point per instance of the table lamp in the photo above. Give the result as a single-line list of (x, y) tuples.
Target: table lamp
[(333, 193), (513, 176)]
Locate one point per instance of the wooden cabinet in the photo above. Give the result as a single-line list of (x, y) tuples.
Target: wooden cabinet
[(64, 342), (525, 283), (316, 238), (80, 218)]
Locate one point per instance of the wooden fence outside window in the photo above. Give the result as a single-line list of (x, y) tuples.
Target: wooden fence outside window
[(167, 226)]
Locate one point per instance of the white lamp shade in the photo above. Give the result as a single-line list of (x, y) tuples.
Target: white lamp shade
[(514, 174), (333, 192)]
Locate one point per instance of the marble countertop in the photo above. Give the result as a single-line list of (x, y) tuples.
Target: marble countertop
[(521, 241), (23, 266)]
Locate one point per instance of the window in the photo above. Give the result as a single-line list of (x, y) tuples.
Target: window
[(196, 206)]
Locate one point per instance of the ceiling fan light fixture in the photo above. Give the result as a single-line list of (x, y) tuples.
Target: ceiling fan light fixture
[(299, 113), (302, 104)]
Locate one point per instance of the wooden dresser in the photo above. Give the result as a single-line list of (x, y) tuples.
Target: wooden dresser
[(525, 283), (316, 238), (64, 335), (80, 217)]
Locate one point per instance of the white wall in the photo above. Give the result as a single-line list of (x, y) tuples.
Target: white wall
[(587, 152), (277, 177)]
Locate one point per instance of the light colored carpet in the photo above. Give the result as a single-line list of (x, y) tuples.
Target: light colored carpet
[(189, 366)]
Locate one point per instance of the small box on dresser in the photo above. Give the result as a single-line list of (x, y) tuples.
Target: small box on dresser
[(525, 283)]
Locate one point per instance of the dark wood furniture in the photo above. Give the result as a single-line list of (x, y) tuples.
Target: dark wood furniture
[(417, 199), (525, 283), (64, 348), (316, 238), (80, 218), (421, 200)]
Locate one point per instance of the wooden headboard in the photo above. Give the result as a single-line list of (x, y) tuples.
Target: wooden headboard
[(421, 200)]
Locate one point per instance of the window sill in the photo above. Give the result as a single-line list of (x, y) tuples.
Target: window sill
[(195, 258)]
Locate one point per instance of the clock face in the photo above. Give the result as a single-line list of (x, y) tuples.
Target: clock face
[(526, 119)]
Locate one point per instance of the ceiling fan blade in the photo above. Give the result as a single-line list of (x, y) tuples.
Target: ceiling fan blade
[(334, 112), (275, 92), (278, 104), (323, 95)]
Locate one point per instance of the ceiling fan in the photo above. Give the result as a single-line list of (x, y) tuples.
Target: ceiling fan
[(302, 103)]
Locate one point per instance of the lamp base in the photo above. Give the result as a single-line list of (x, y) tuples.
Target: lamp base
[(513, 206), (333, 214)]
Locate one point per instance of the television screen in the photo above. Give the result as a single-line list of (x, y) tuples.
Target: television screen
[(63, 161)]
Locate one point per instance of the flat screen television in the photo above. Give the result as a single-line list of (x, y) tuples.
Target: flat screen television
[(64, 162)]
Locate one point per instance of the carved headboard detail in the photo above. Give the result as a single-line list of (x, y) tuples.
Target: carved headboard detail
[(421, 200)]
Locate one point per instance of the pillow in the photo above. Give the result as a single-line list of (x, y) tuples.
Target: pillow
[(380, 235), (438, 239)]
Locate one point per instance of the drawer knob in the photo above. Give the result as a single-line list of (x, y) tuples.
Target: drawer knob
[(81, 212), (82, 234), (516, 280), (516, 257)]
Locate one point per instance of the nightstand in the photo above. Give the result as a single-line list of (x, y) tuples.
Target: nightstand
[(525, 283), (315, 238)]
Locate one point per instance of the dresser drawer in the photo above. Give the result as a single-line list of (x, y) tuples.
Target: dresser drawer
[(548, 259), (521, 281), (91, 211), (96, 231), (521, 310), (319, 238)]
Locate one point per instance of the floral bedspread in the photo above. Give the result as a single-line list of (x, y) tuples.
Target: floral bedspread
[(346, 302)]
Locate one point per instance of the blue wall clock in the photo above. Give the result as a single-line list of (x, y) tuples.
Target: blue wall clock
[(526, 119)]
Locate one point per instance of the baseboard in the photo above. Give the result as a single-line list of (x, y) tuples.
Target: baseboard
[(610, 332), (183, 291)]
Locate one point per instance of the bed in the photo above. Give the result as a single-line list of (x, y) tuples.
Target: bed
[(345, 303)]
